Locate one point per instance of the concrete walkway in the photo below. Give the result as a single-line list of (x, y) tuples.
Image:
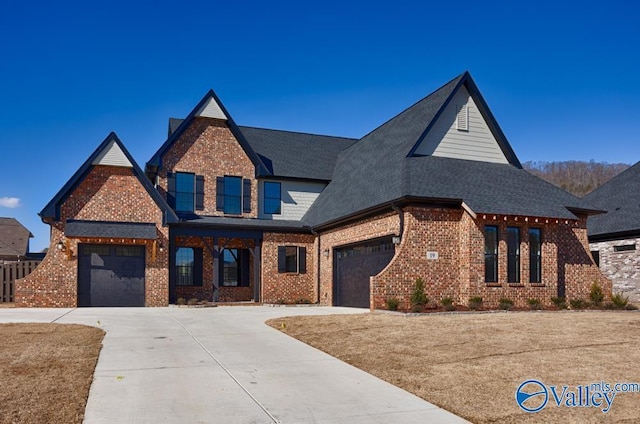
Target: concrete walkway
[(224, 365)]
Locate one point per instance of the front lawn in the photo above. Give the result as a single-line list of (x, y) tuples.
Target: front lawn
[(472, 364)]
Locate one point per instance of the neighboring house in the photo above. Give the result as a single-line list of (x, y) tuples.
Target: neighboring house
[(231, 213), (614, 238), (14, 240)]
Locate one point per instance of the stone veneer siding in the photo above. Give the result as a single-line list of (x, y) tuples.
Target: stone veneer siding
[(623, 268), (107, 193), (207, 147)]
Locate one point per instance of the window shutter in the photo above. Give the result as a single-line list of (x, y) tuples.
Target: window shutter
[(220, 193), (246, 195), (199, 192), (197, 266), (302, 260), (282, 259), (171, 189), (244, 268)]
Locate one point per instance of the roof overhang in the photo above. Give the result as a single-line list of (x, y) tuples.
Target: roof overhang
[(120, 230)]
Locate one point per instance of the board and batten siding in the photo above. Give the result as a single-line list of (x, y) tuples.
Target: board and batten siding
[(446, 140), (297, 198)]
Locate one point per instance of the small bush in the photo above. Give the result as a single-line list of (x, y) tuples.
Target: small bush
[(619, 301), (475, 303), (447, 303), (303, 301), (181, 301), (534, 304), (631, 307), (596, 295), (505, 303), (578, 304), (192, 301), (418, 298), (560, 302), (392, 303)]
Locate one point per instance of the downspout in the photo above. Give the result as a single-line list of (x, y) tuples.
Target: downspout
[(318, 254)]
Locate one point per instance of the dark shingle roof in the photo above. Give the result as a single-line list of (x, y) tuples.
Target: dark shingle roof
[(379, 169), (244, 223), (294, 154), (620, 197), (14, 238), (130, 230)]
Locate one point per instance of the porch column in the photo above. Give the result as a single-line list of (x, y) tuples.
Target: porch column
[(216, 270), (256, 272)]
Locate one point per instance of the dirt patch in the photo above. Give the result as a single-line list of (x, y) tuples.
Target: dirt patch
[(472, 364), (46, 371)]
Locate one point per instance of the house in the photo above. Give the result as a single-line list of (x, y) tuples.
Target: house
[(231, 213), (614, 238), (14, 240)]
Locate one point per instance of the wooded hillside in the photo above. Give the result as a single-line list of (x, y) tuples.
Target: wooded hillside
[(577, 177)]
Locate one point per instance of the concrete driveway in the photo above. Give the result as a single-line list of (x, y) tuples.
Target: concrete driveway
[(224, 365)]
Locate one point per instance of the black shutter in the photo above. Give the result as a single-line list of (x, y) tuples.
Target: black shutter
[(197, 266), (244, 268), (246, 195), (220, 193), (199, 192), (282, 259), (171, 189), (302, 260)]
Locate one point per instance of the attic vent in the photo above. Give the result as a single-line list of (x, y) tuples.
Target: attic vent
[(463, 118)]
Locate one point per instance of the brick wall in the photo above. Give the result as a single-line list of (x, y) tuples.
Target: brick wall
[(623, 267), (288, 287), (107, 193), (209, 148)]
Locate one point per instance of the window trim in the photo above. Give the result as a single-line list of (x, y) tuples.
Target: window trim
[(494, 256), (300, 261)]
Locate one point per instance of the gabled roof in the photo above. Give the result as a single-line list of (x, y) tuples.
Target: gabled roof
[(296, 155), (52, 209), (379, 169), (620, 197), (209, 106), (14, 238)]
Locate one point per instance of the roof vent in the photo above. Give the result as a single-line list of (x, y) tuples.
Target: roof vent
[(462, 120)]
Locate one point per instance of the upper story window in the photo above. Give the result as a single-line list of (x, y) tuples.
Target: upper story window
[(233, 195), (272, 198), (185, 191)]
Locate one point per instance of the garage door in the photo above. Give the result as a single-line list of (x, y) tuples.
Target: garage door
[(353, 267), (110, 275)]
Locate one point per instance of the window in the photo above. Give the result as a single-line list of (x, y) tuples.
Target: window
[(185, 191), (272, 198), (513, 254), (292, 259), (233, 195), (624, 248), (129, 251), (188, 266), (230, 267), (490, 254), (535, 255), (596, 257)]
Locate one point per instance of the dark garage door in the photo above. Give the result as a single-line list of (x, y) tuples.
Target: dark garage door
[(110, 275), (353, 267)]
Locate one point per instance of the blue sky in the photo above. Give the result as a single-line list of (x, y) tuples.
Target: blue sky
[(560, 77)]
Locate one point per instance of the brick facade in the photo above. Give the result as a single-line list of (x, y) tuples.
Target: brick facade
[(207, 147), (107, 193), (622, 267)]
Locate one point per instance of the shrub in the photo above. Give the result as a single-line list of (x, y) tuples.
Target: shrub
[(447, 303), (392, 303), (192, 301), (303, 301), (418, 298), (505, 303), (631, 307), (181, 301), (619, 301), (596, 295), (475, 303), (578, 304), (560, 302), (534, 304)]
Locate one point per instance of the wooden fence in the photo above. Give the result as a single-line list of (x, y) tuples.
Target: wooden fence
[(9, 273)]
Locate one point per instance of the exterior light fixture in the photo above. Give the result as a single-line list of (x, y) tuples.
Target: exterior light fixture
[(395, 239), (326, 253)]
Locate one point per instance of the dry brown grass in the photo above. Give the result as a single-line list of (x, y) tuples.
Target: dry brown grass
[(472, 364), (46, 371)]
